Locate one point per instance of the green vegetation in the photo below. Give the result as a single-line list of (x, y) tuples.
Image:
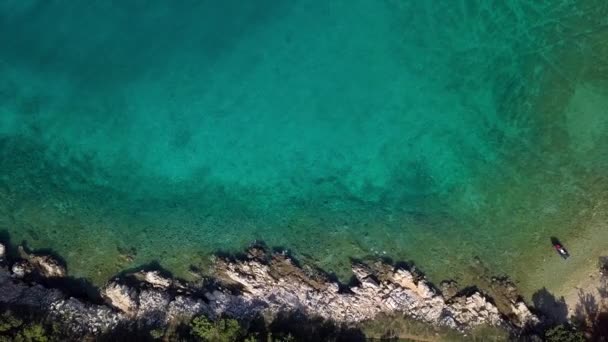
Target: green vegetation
[(28, 328), (32, 333), (289, 329), (401, 327), (12, 328), (157, 333), (564, 333), (221, 330), (8, 322)]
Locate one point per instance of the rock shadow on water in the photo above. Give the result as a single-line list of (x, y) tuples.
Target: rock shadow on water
[(79, 288), (553, 309), (256, 245), (132, 277), (468, 291), (603, 265), (229, 255), (151, 266), (383, 260), (12, 252)]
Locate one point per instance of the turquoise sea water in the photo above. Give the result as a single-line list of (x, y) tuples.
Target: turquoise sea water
[(425, 131)]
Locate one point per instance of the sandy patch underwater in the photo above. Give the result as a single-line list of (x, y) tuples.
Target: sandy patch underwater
[(134, 133)]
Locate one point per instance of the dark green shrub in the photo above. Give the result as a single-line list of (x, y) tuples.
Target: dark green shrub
[(563, 333), (8, 322), (12, 328), (32, 333), (221, 330), (157, 334)]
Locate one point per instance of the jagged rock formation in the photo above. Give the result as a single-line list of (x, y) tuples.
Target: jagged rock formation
[(449, 289), (44, 265), (261, 284), (280, 285), (155, 279), (121, 297)]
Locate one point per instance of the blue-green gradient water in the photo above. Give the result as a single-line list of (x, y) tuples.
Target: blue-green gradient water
[(430, 131)]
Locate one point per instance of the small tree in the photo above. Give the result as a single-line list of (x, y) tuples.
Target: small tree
[(8, 322), (563, 333), (32, 333), (221, 330)]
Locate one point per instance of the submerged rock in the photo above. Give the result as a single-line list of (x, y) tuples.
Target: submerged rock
[(449, 289), (507, 298), (505, 288)]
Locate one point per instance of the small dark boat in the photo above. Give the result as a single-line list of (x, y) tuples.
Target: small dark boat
[(559, 248)]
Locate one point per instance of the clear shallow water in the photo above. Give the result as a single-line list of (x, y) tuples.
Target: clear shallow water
[(336, 130)]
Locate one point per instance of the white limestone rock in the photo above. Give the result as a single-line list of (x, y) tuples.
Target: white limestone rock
[(84, 318), (268, 286), (524, 316), (155, 279), (45, 265), (394, 291), (184, 308), (121, 297), (21, 269)]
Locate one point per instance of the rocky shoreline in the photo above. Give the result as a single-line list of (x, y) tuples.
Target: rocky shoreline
[(260, 283)]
